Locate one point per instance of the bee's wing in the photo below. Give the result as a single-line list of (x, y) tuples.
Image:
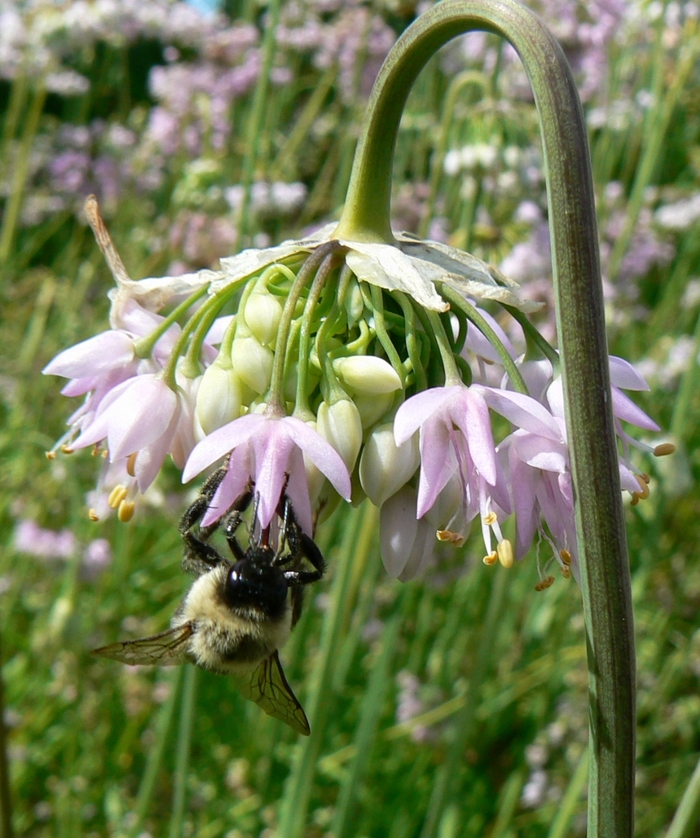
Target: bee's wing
[(267, 686), (165, 649)]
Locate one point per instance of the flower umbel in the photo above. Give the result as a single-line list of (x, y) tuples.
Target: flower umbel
[(321, 369)]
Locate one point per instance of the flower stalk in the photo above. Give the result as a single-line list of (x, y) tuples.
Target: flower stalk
[(600, 526)]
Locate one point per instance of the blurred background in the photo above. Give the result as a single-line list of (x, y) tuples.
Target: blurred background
[(455, 705)]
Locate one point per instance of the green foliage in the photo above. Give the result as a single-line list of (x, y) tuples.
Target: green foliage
[(491, 674)]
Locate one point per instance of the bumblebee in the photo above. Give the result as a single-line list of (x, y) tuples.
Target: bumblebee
[(237, 614)]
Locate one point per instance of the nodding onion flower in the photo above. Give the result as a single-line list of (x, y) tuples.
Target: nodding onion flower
[(331, 369)]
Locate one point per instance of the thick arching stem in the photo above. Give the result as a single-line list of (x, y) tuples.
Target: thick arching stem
[(605, 580)]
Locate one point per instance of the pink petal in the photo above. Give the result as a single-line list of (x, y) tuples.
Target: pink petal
[(523, 487), (218, 443), (140, 416), (624, 408), (438, 463), (149, 460), (93, 356), (623, 374), (539, 452), (321, 453), (416, 410), (298, 491), (272, 451), (239, 472), (471, 415), (522, 411)]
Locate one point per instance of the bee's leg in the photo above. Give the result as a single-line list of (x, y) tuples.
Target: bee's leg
[(233, 521), (300, 545), (195, 512), (306, 547), (200, 557)]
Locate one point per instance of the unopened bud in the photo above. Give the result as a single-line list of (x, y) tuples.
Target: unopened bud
[(373, 407), (262, 316), (252, 362), (354, 303), (219, 397), (340, 424), (407, 544), (385, 466), (367, 374)]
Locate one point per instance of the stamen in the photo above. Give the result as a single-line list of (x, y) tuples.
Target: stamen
[(645, 477), (490, 519), (92, 515), (117, 496), (505, 552), (565, 556), (131, 464), (664, 449), (644, 494), (66, 449), (126, 510), (50, 455), (492, 558), (545, 583), (566, 573), (96, 450), (450, 537)]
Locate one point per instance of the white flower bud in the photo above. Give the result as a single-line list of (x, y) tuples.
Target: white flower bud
[(252, 362), (219, 397), (354, 303), (407, 544), (385, 466), (373, 408), (367, 374), (262, 315), (340, 425)]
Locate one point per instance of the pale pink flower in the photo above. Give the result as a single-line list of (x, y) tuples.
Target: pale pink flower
[(269, 450)]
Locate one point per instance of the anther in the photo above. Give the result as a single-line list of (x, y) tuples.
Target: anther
[(66, 449), (131, 464), (92, 515), (644, 493), (116, 496), (505, 553), (566, 573), (50, 455), (664, 449), (492, 558), (126, 511), (490, 519), (565, 556), (450, 537)]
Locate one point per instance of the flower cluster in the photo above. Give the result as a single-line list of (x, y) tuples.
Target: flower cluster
[(328, 369)]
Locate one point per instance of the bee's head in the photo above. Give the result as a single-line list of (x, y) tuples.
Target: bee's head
[(254, 582)]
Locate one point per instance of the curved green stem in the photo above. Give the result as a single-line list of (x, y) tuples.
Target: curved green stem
[(144, 346), (605, 581), (452, 376), (321, 261), (301, 408), (458, 302), (383, 333)]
